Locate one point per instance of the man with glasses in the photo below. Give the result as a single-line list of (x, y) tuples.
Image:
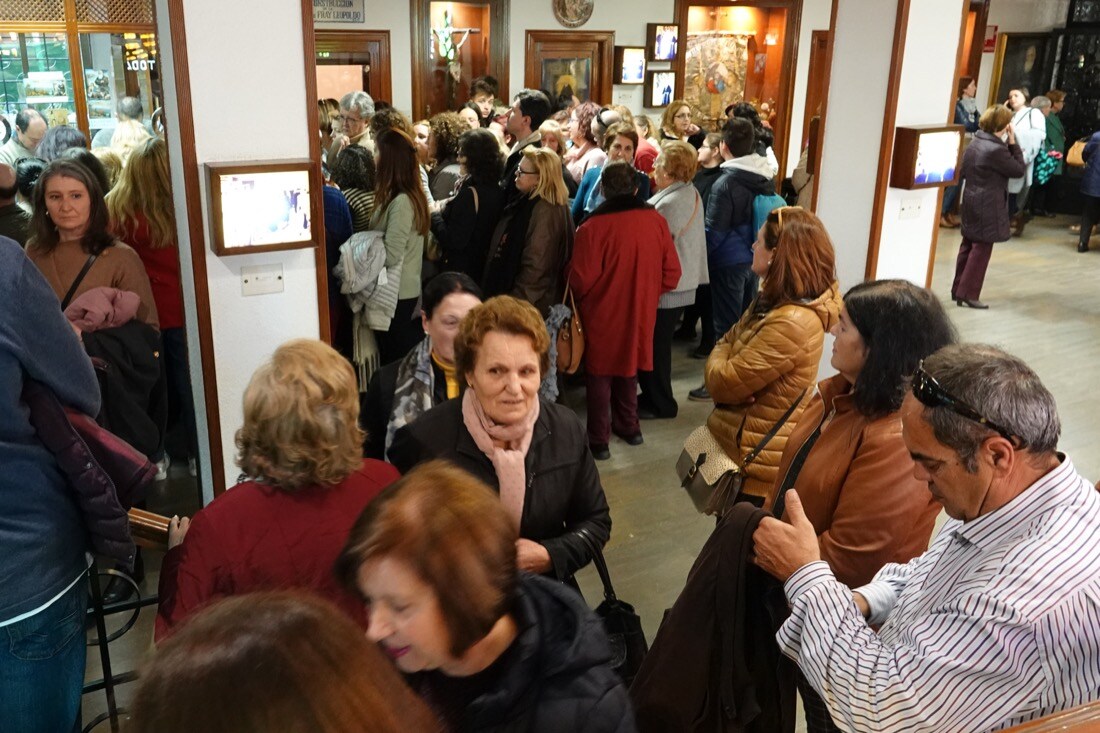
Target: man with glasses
[(30, 128), (997, 623)]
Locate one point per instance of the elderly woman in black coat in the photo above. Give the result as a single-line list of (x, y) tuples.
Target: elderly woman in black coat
[(989, 162), (534, 454)]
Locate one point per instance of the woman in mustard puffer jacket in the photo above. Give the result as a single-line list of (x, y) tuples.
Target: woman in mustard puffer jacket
[(770, 358)]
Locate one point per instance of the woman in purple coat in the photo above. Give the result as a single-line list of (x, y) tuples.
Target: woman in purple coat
[(989, 162)]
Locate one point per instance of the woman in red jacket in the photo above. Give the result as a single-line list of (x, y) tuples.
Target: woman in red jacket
[(141, 210), (623, 260), (301, 448)]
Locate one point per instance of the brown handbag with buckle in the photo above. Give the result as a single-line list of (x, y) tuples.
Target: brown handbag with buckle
[(570, 337)]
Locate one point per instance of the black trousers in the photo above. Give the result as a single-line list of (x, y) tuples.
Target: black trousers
[(657, 396), (700, 310), (1090, 215), (405, 332)]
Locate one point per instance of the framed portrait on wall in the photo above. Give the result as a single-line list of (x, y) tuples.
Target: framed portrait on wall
[(1020, 62), (629, 65), (662, 41), (660, 88), (579, 60)]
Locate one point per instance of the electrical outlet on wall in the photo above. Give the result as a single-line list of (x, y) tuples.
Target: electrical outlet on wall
[(910, 208), (262, 279)]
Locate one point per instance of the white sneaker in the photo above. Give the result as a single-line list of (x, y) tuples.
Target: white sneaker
[(162, 468), (192, 467)]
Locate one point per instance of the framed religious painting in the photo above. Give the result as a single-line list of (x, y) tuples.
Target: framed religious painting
[(629, 65), (576, 61), (662, 41), (659, 89), (1020, 62)]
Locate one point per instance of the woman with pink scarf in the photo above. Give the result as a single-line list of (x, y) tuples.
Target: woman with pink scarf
[(533, 453)]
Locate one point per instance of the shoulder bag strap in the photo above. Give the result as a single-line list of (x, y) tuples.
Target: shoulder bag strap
[(693, 213), (794, 469), (597, 559), (771, 433), (76, 283)]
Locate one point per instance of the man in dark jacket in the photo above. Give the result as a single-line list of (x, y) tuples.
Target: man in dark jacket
[(529, 110), (729, 225), (730, 235)]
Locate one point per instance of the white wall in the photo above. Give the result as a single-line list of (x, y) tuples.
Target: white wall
[(857, 86), (394, 16), (231, 70), (924, 97), (627, 18), (816, 15), (1019, 16)]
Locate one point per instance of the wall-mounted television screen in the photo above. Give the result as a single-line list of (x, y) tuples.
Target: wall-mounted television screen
[(260, 207), (926, 156)]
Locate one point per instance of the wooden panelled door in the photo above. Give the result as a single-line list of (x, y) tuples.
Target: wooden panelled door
[(349, 61)]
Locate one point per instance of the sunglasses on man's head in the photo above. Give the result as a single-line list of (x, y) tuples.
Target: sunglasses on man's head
[(931, 394)]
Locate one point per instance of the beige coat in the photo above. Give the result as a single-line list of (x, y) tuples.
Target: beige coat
[(757, 370)]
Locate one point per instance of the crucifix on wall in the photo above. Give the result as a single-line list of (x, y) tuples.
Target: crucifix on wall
[(449, 49)]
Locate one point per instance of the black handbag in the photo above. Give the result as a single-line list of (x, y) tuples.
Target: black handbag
[(622, 624)]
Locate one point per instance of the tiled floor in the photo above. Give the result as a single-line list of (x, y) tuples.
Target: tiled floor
[(1044, 305)]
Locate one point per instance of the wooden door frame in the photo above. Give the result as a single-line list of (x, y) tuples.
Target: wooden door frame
[(500, 19), (973, 63), (785, 98), (341, 40), (826, 62), (602, 42), (196, 222)]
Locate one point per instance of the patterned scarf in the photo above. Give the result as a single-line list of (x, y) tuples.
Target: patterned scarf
[(508, 463), (415, 387)]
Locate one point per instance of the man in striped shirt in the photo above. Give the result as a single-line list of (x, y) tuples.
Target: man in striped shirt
[(999, 621)]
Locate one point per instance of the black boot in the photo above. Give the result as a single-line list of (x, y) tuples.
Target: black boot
[(117, 588)]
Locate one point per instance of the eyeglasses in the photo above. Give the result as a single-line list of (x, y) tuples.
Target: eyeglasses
[(521, 172), (929, 392)]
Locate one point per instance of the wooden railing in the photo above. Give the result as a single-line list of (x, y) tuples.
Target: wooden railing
[(1083, 719)]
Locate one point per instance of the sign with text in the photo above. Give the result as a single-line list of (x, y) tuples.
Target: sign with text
[(338, 11)]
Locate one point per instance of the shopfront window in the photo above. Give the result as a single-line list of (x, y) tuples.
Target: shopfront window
[(35, 72), (118, 65)]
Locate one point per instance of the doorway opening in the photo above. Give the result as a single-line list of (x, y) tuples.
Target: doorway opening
[(736, 54), (455, 43)]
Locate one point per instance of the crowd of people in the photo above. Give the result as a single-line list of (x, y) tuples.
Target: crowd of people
[(1015, 152), (418, 482)]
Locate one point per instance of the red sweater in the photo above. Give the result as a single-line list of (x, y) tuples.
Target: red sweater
[(163, 268), (256, 537)]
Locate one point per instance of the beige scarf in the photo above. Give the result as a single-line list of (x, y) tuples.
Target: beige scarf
[(507, 462)]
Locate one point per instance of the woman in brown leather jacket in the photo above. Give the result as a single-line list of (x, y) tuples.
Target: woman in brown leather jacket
[(769, 359), (846, 457)]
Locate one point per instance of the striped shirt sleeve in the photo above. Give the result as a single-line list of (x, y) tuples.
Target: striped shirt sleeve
[(976, 665)]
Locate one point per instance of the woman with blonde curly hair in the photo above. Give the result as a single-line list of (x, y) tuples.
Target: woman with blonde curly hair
[(305, 481), (128, 135)]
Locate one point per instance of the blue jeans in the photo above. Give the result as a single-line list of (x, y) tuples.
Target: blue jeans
[(42, 667), (731, 292)]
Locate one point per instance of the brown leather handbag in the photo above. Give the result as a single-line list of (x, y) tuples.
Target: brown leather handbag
[(570, 337), (1075, 158)]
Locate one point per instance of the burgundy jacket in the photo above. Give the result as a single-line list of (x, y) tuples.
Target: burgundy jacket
[(258, 537), (104, 471)]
